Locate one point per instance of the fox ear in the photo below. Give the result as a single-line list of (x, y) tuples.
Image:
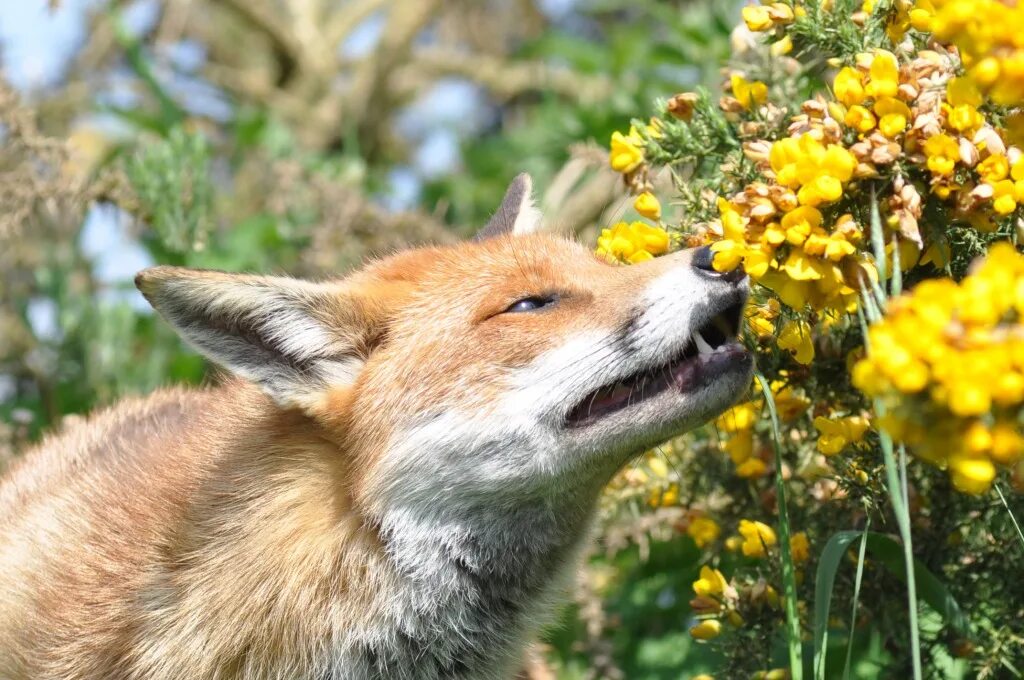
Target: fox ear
[(294, 338), (516, 214)]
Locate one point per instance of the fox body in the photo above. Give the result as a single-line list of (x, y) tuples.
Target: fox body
[(395, 484)]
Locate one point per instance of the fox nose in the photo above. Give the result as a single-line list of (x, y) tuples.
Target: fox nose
[(702, 261)]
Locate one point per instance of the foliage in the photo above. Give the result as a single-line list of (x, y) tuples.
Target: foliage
[(857, 150)]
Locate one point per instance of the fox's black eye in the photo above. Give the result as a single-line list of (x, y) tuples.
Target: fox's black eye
[(529, 304)]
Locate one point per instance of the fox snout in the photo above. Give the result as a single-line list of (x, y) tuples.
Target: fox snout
[(703, 260)]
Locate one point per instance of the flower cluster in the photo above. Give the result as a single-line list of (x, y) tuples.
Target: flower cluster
[(835, 433), (737, 428), (632, 242), (717, 599), (987, 36), (837, 180), (949, 359), (795, 232)]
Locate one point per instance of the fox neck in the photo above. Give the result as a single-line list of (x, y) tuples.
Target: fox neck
[(476, 581), (450, 589)]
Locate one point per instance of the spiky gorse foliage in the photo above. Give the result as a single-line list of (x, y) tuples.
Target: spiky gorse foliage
[(856, 150)]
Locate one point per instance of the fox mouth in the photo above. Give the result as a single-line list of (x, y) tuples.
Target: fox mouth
[(712, 350)]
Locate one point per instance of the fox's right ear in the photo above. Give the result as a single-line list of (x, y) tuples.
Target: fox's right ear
[(296, 339), (517, 214)]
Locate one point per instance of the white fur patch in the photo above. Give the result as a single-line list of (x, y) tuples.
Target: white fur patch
[(529, 218)]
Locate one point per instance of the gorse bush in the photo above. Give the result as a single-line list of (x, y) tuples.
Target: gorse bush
[(863, 164)]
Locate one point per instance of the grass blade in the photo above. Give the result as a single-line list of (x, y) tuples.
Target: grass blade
[(1010, 513), (856, 597), (896, 285), (900, 508), (824, 580), (796, 666), (877, 238)]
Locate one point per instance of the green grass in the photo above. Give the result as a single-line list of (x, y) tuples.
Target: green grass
[(793, 641)]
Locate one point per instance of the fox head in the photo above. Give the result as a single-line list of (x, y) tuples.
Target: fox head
[(514, 364)]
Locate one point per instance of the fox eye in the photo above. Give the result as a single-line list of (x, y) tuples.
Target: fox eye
[(529, 304)]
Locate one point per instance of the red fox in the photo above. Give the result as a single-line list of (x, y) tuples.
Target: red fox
[(397, 481)]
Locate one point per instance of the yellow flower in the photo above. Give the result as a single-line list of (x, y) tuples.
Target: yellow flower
[(789, 404), (749, 93), (962, 92), (892, 116), (796, 337), (665, 498), (728, 254), (818, 170), (883, 76), (626, 153), (707, 629), (773, 674), (942, 152), (962, 102), (837, 432), (802, 267), (799, 547), (658, 467), (860, 119), (994, 168), (757, 537), (1004, 197), (964, 118), (703, 531), (761, 318), (648, 205), (972, 475), (632, 242), (738, 418), (752, 468), (740, 446), (1007, 443), (781, 47), (798, 223), (921, 15), (757, 18), (849, 86), (711, 582)]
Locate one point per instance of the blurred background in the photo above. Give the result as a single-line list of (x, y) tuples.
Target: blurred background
[(302, 136)]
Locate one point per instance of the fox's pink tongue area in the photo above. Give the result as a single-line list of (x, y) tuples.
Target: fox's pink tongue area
[(606, 401), (685, 375)]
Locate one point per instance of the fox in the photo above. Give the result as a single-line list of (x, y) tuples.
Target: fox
[(396, 479)]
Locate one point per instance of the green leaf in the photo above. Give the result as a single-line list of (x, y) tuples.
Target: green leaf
[(824, 580), (796, 664), (888, 552)]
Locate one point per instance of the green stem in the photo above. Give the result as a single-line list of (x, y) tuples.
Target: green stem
[(796, 665), (1010, 513), (894, 472), (856, 597)]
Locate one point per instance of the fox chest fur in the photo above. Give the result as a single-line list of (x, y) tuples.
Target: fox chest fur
[(396, 483)]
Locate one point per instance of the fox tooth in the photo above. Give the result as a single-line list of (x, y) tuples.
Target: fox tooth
[(702, 345)]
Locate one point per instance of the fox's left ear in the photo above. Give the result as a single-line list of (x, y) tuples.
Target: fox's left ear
[(517, 213), (295, 339)]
